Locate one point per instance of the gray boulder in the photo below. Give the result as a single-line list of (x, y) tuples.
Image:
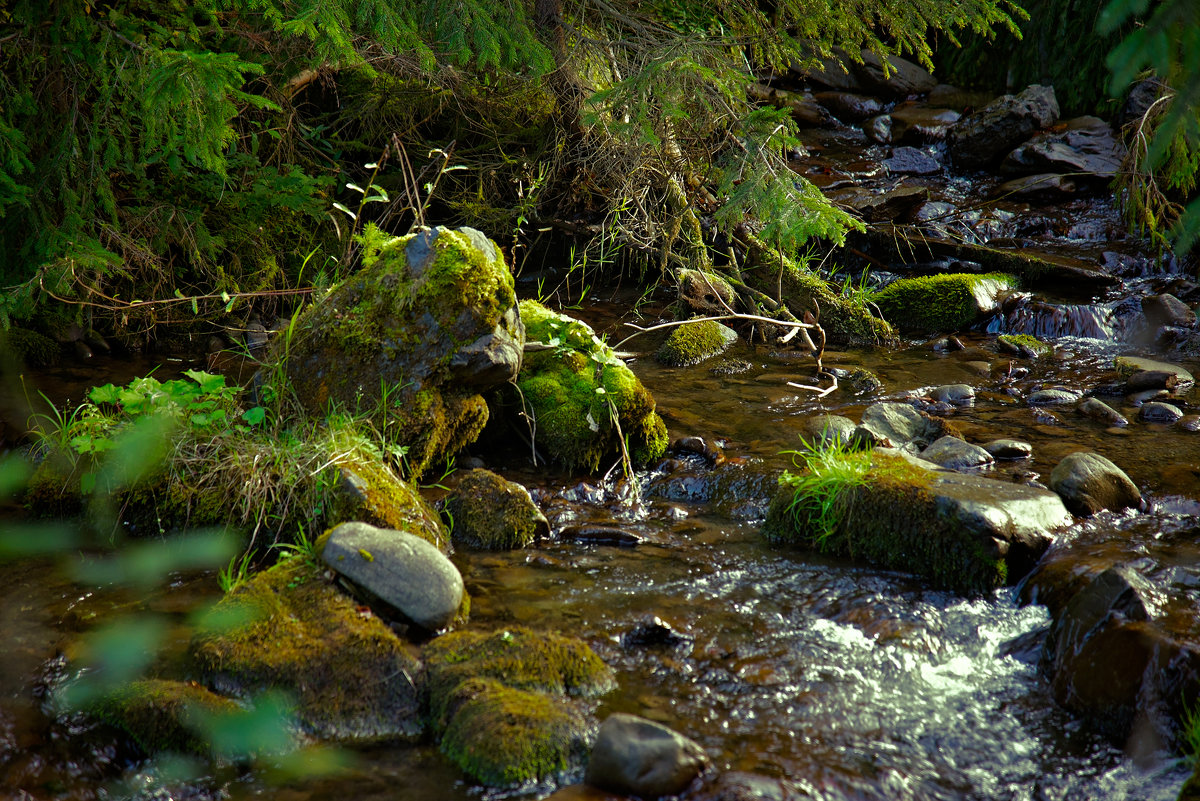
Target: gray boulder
[(400, 569), (1159, 412), (1088, 483), (897, 425), (911, 161), (983, 137), (956, 454), (1166, 309), (1087, 149), (1052, 397), (635, 756), (1098, 410), (958, 394), (1008, 449), (920, 123)]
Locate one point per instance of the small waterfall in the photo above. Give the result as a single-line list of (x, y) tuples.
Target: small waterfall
[(1024, 314)]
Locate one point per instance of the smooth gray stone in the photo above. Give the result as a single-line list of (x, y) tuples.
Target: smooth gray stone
[(1008, 449), (1088, 483), (1053, 397), (959, 394), (1159, 412), (635, 756), (400, 569), (956, 454), (1099, 410), (893, 425)]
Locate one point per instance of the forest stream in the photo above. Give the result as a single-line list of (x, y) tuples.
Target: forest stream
[(845, 681)]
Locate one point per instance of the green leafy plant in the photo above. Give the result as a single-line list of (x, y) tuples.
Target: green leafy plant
[(236, 573)]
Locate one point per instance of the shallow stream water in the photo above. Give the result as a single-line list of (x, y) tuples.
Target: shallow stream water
[(852, 683)]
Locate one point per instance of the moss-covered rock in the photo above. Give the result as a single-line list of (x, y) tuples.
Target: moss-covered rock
[(1023, 345), (942, 302), (573, 389), (492, 513), (164, 715), (351, 677), (693, 342), (29, 347), (962, 532), (517, 657), (843, 321), (369, 492), (502, 736), (413, 339)]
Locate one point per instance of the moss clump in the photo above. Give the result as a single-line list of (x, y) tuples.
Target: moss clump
[(517, 657), (368, 492), (161, 715), (843, 321), (941, 302), (352, 678), (502, 736), (1020, 343), (574, 389), (694, 342), (30, 347), (490, 512), (880, 508)]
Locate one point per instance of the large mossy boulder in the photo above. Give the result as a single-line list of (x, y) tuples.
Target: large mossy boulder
[(943, 302), (413, 339), (508, 704), (962, 532), (582, 398), (351, 677)]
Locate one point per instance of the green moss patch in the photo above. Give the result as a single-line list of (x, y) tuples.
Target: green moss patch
[(582, 397), (491, 513), (843, 321), (352, 678), (517, 657), (693, 342), (941, 302), (161, 715), (501, 736), (1020, 343)]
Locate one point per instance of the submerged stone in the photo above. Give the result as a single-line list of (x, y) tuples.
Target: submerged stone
[(164, 715), (635, 756), (1097, 409), (963, 532)]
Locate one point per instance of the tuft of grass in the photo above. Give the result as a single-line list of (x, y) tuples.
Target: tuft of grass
[(827, 469), (236, 573)]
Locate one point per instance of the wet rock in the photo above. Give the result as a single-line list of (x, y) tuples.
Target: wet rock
[(367, 491), (692, 343), (351, 678), (161, 715), (943, 302), (858, 380), (430, 325), (897, 425), (704, 294), (583, 398), (737, 786), (824, 430), (654, 632), (1086, 148), (899, 78), (493, 513), (849, 107), (960, 531), (1089, 483), (879, 129), (911, 161), (1008, 449), (1190, 422), (945, 95), (805, 110), (1023, 345), (958, 394), (739, 490), (1159, 412), (639, 757), (600, 535), (400, 569), (1166, 309), (1140, 399), (983, 137), (921, 123), (1053, 397), (1128, 365), (876, 206), (956, 454), (1042, 185), (1151, 379), (1100, 411)]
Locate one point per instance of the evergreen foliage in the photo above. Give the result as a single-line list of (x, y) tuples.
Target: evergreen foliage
[(154, 153)]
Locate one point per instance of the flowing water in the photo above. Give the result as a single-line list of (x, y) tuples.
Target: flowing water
[(852, 683)]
